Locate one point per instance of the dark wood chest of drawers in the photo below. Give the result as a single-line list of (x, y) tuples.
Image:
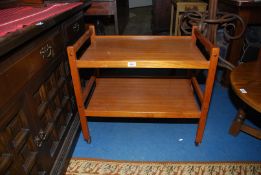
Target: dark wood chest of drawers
[(38, 116)]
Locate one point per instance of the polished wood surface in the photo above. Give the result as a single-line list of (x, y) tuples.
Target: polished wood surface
[(246, 83), (132, 97), (145, 51), (143, 97), (30, 61), (247, 76)]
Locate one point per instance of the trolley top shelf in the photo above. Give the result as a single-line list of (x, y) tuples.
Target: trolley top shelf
[(143, 52)]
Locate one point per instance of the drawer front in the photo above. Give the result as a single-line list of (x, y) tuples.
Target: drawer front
[(20, 67), (73, 28)]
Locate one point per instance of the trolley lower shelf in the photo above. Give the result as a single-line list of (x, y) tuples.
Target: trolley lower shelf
[(143, 97)]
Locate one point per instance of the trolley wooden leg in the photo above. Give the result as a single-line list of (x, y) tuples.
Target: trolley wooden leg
[(85, 129), (200, 131), (207, 94)]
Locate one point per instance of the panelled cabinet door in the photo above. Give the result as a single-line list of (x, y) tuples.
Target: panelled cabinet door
[(18, 152), (52, 107)]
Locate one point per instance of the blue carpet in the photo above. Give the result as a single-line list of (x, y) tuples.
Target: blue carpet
[(171, 140)]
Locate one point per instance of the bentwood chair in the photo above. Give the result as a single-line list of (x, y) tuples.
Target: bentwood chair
[(181, 7)]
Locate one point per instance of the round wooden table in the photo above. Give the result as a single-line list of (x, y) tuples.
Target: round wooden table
[(246, 83)]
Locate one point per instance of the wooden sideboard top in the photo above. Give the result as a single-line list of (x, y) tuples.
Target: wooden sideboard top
[(18, 37)]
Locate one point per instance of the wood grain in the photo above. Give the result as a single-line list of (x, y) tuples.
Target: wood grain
[(132, 97), (247, 76), (145, 51), (214, 53)]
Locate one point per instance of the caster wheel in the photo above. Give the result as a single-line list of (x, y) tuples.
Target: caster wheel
[(88, 140)]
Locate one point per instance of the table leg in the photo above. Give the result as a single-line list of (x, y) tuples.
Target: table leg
[(237, 123)]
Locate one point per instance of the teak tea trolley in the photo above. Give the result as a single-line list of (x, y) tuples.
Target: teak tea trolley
[(143, 97)]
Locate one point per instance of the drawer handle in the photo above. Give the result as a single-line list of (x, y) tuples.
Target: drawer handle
[(76, 27), (38, 141), (46, 51), (42, 134)]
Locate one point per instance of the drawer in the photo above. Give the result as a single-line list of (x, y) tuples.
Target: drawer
[(73, 28), (22, 64)]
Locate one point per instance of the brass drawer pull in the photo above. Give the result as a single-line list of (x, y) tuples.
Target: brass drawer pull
[(76, 27), (42, 134), (46, 51), (38, 141)]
